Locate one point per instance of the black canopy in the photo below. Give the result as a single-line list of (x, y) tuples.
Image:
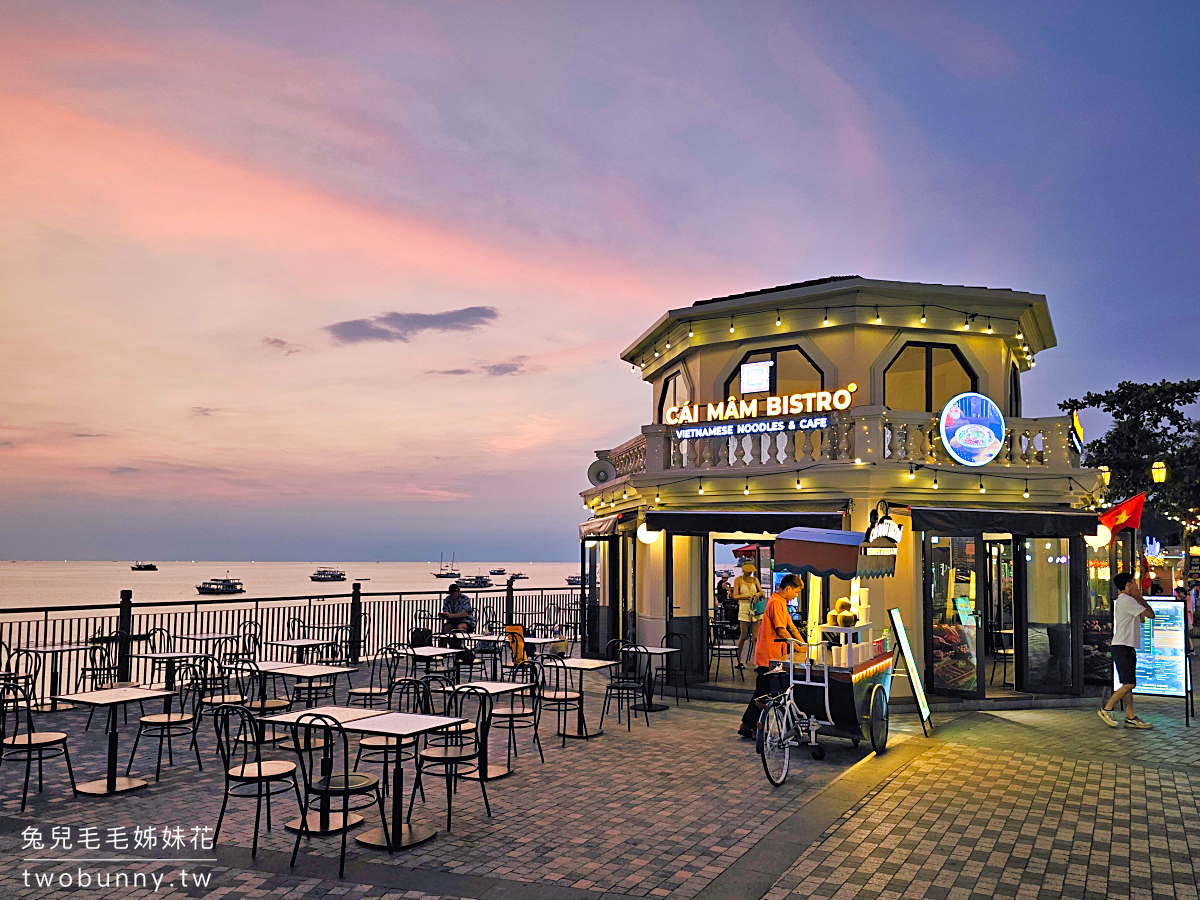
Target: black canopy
[(1025, 522), (703, 521)]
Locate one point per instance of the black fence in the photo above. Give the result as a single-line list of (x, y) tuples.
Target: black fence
[(371, 620)]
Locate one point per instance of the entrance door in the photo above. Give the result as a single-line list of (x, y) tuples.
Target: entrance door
[(953, 607), (999, 618)]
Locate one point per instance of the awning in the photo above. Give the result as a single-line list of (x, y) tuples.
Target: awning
[(818, 551), (702, 522), (598, 527), (1022, 522)]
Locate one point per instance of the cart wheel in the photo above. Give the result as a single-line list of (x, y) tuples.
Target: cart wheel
[(879, 719), (774, 750), (855, 742), (818, 752)]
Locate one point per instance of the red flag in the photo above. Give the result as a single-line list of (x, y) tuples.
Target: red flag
[(1124, 515)]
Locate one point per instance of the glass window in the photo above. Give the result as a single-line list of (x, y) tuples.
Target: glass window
[(1048, 616), (954, 666), (1014, 392), (925, 376), (792, 373), (674, 393), (1098, 623)]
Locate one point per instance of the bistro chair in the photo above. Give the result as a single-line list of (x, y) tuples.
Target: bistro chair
[(559, 693), (625, 686), (249, 642), (100, 674), (20, 739), (158, 640), (1002, 653), (407, 695), (513, 654), (23, 668), (327, 777), (674, 666), (212, 684), (719, 648), (250, 681), (296, 628), (247, 774), (523, 709), (460, 754), (171, 726), (382, 674)]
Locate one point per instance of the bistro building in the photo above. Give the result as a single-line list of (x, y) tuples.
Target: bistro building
[(822, 404)]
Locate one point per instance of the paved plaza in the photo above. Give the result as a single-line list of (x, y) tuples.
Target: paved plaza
[(1029, 803)]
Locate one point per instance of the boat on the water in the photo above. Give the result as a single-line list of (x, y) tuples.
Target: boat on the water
[(575, 580), (474, 581), (144, 567), (446, 571), (497, 572), (326, 574), (518, 575), (221, 586)]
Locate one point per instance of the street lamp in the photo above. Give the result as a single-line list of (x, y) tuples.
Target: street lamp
[(1106, 475), (1158, 472)]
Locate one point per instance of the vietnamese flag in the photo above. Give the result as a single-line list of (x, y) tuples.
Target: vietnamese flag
[(1124, 515)]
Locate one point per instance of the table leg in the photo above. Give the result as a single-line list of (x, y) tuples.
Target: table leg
[(170, 685), (580, 722), (111, 783), (648, 704), (402, 835), (486, 771), (323, 820), (299, 656)]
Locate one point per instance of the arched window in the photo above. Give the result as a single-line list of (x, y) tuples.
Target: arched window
[(674, 393), (791, 372), (925, 376), (1014, 392)]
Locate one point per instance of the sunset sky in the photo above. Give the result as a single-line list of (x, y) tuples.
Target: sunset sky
[(350, 280)]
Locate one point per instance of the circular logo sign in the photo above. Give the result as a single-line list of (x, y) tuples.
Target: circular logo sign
[(972, 429)]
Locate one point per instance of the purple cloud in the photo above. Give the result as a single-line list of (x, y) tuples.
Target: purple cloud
[(398, 326)]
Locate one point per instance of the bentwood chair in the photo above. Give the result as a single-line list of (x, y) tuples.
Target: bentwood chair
[(522, 709), (23, 667), (171, 726), (407, 695), (100, 674), (560, 695), (461, 753), (327, 777), (247, 774), (213, 687), (674, 666), (626, 687), (719, 648), (381, 675), (20, 739)]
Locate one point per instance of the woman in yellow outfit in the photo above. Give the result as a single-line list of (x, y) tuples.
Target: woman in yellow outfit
[(747, 591)]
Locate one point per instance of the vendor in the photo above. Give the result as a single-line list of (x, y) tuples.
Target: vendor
[(775, 626), (747, 590)]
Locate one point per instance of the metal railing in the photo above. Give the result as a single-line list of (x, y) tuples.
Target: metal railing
[(373, 620)]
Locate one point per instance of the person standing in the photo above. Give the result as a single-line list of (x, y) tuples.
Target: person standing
[(747, 590), (775, 624), (1129, 610)]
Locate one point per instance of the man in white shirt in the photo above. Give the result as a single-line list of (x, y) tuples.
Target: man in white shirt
[(1129, 609)]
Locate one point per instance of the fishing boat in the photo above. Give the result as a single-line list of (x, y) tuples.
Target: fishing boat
[(518, 575), (474, 581), (575, 580), (327, 574), (144, 567), (497, 572), (446, 571), (221, 586)]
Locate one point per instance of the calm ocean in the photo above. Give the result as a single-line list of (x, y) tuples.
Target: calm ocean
[(34, 583)]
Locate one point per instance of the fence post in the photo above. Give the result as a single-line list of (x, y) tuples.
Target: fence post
[(124, 630), (509, 601), (355, 621)]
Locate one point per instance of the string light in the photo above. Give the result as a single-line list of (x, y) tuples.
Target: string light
[(690, 332), (1032, 363), (878, 317), (922, 315), (746, 489), (982, 489), (731, 324), (989, 328), (656, 353), (624, 494), (657, 499), (778, 321), (643, 364), (701, 490), (1071, 486), (1026, 494), (1020, 333), (826, 320), (797, 481), (935, 484), (912, 473), (668, 343), (966, 322)]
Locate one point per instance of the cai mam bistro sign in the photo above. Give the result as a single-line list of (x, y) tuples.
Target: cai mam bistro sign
[(740, 411)]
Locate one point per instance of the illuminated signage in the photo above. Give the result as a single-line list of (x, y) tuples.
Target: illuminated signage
[(756, 377), (1162, 658), (910, 664), (759, 426), (886, 528), (972, 429), (734, 408)]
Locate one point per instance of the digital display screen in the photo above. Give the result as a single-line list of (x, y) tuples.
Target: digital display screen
[(910, 662), (1162, 658)]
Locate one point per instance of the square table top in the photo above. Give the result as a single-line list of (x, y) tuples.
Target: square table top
[(203, 637), (272, 665), (58, 648), (650, 651), (402, 725), (315, 671), (496, 688), (169, 654), (342, 714), (431, 651), (113, 696), (481, 637), (588, 665), (299, 642), (546, 640)]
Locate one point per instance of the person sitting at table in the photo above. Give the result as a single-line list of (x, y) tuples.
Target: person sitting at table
[(456, 611)]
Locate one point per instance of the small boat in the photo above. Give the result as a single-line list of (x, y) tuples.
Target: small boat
[(327, 574), (497, 572), (518, 575), (144, 567), (575, 580), (221, 586), (446, 571), (474, 581)]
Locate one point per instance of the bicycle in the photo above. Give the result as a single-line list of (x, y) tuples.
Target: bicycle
[(782, 723)]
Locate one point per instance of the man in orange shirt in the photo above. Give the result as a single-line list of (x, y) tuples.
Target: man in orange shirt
[(775, 624)]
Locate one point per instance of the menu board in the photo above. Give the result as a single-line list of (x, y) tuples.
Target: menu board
[(910, 663), (1162, 658)]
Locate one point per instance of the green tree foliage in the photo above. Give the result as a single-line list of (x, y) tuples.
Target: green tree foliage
[(1149, 424)]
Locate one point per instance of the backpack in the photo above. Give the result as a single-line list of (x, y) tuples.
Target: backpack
[(420, 637)]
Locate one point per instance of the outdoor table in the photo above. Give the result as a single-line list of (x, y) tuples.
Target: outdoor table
[(273, 666), (200, 638), (172, 659), (311, 673), (428, 653), (299, 645), (487, 639), (581, 666), (110, 699), (54, 651), (322, 820), (650, 652), (399, 726), (496, 689)]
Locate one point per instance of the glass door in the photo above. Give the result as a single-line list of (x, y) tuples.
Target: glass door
[(999, 617), (953, 658)]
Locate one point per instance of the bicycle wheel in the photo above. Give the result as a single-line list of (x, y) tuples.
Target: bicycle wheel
[(775, 752), (879, 719)]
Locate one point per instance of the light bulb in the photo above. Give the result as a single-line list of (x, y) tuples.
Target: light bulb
[(624, 494), (778, 321), (935, 484), (656, 353), (1032, 363), (1026, 494), (858, 460), (982, 489), (746, 489), (643, 364), (878, 317), (701, 490), (656, 497), (1020, 334), (989, 328), (690, 332), (797, 482), (826, 320), (668, 343), (912, 473), (922, 315), (966, 323), (731, 324)]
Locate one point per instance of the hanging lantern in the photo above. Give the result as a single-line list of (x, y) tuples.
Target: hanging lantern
[(1158, 472)]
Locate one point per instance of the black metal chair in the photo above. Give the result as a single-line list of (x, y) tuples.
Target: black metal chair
[(460, 754), (382, 674), (100, 674), (407, 695), (523, 709), (170, 726), (23, 667), (719, 648), (247, 774), (674, 666), (158, 640), (329, 777), (212, 685), (560, 695), (20, 739), (512, 652), (626, 686)]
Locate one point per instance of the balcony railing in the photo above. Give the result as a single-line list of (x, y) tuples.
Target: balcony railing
[(870, 434)]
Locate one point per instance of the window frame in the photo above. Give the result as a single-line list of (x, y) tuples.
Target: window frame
[(774, 351), (929, 347), (675, 377), (1014, 392)]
